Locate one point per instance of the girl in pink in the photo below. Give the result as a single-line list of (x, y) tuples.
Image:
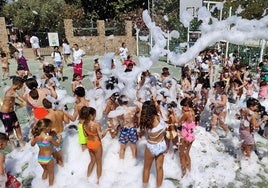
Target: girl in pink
[(263, 91), (188, 122)]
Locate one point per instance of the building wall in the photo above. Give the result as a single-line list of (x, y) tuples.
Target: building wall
[(3, 34), (93, 45), (101, 44)]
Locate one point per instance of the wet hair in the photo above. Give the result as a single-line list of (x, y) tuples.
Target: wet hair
[(98, 71), (51, 68), (3, 137), (3, 54), (84, 113), (64, 40), (40, 126), (123, 100), (252, 102), (34, 94), (189, 102), (80, 91), (75, 75), (92, 111), (46, 69), (31, 83), (17, 80), (221, 84), (164, 69), (20, 67), (148, 112), (115, 94), (47, 104)]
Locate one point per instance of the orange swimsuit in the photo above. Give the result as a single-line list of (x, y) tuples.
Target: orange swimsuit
[(39, 112), (93, 144)]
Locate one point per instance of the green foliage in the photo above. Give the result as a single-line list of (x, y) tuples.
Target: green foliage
[(2, 3), (39, 15), (251, 9)]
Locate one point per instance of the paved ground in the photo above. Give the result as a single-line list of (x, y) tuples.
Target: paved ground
[(34, 66)]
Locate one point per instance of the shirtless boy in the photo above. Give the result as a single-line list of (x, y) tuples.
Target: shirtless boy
[(7, 113), (57, 118), (81, 101)]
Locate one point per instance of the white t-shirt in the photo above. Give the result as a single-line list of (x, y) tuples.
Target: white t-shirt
[(77, 56), (56, 56), (66, 47), (35, 42), (123, 52)]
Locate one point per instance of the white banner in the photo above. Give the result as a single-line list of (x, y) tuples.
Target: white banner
[(53, 39)]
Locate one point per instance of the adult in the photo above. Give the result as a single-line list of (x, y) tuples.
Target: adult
[(152, 123), (77, 59), (34, 40)]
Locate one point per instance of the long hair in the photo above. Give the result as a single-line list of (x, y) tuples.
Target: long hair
[(40, 126), (148, 112), (188, 102), (84, 113)]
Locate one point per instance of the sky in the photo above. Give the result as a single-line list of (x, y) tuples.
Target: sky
[(214, 162)]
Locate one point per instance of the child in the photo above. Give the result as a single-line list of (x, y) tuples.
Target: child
[(171, 132), (5, 66), (188, 122), (57, 58), (7, 113), (77, 81), (263, 91), (94, 135), (3, 143), (44, 141)]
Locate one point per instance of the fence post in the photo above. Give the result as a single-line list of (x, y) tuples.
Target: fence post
[(137, 41)]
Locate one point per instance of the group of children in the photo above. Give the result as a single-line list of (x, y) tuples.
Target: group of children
[(153, 105)]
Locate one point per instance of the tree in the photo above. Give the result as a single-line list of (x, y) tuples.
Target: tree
[(251, 9), (2, 3), (113, 9), (39, 15)]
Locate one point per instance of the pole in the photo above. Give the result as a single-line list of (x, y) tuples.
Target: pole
[(168, 45), (227, 44), (188, 37), (262, 49), (137, 42)]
